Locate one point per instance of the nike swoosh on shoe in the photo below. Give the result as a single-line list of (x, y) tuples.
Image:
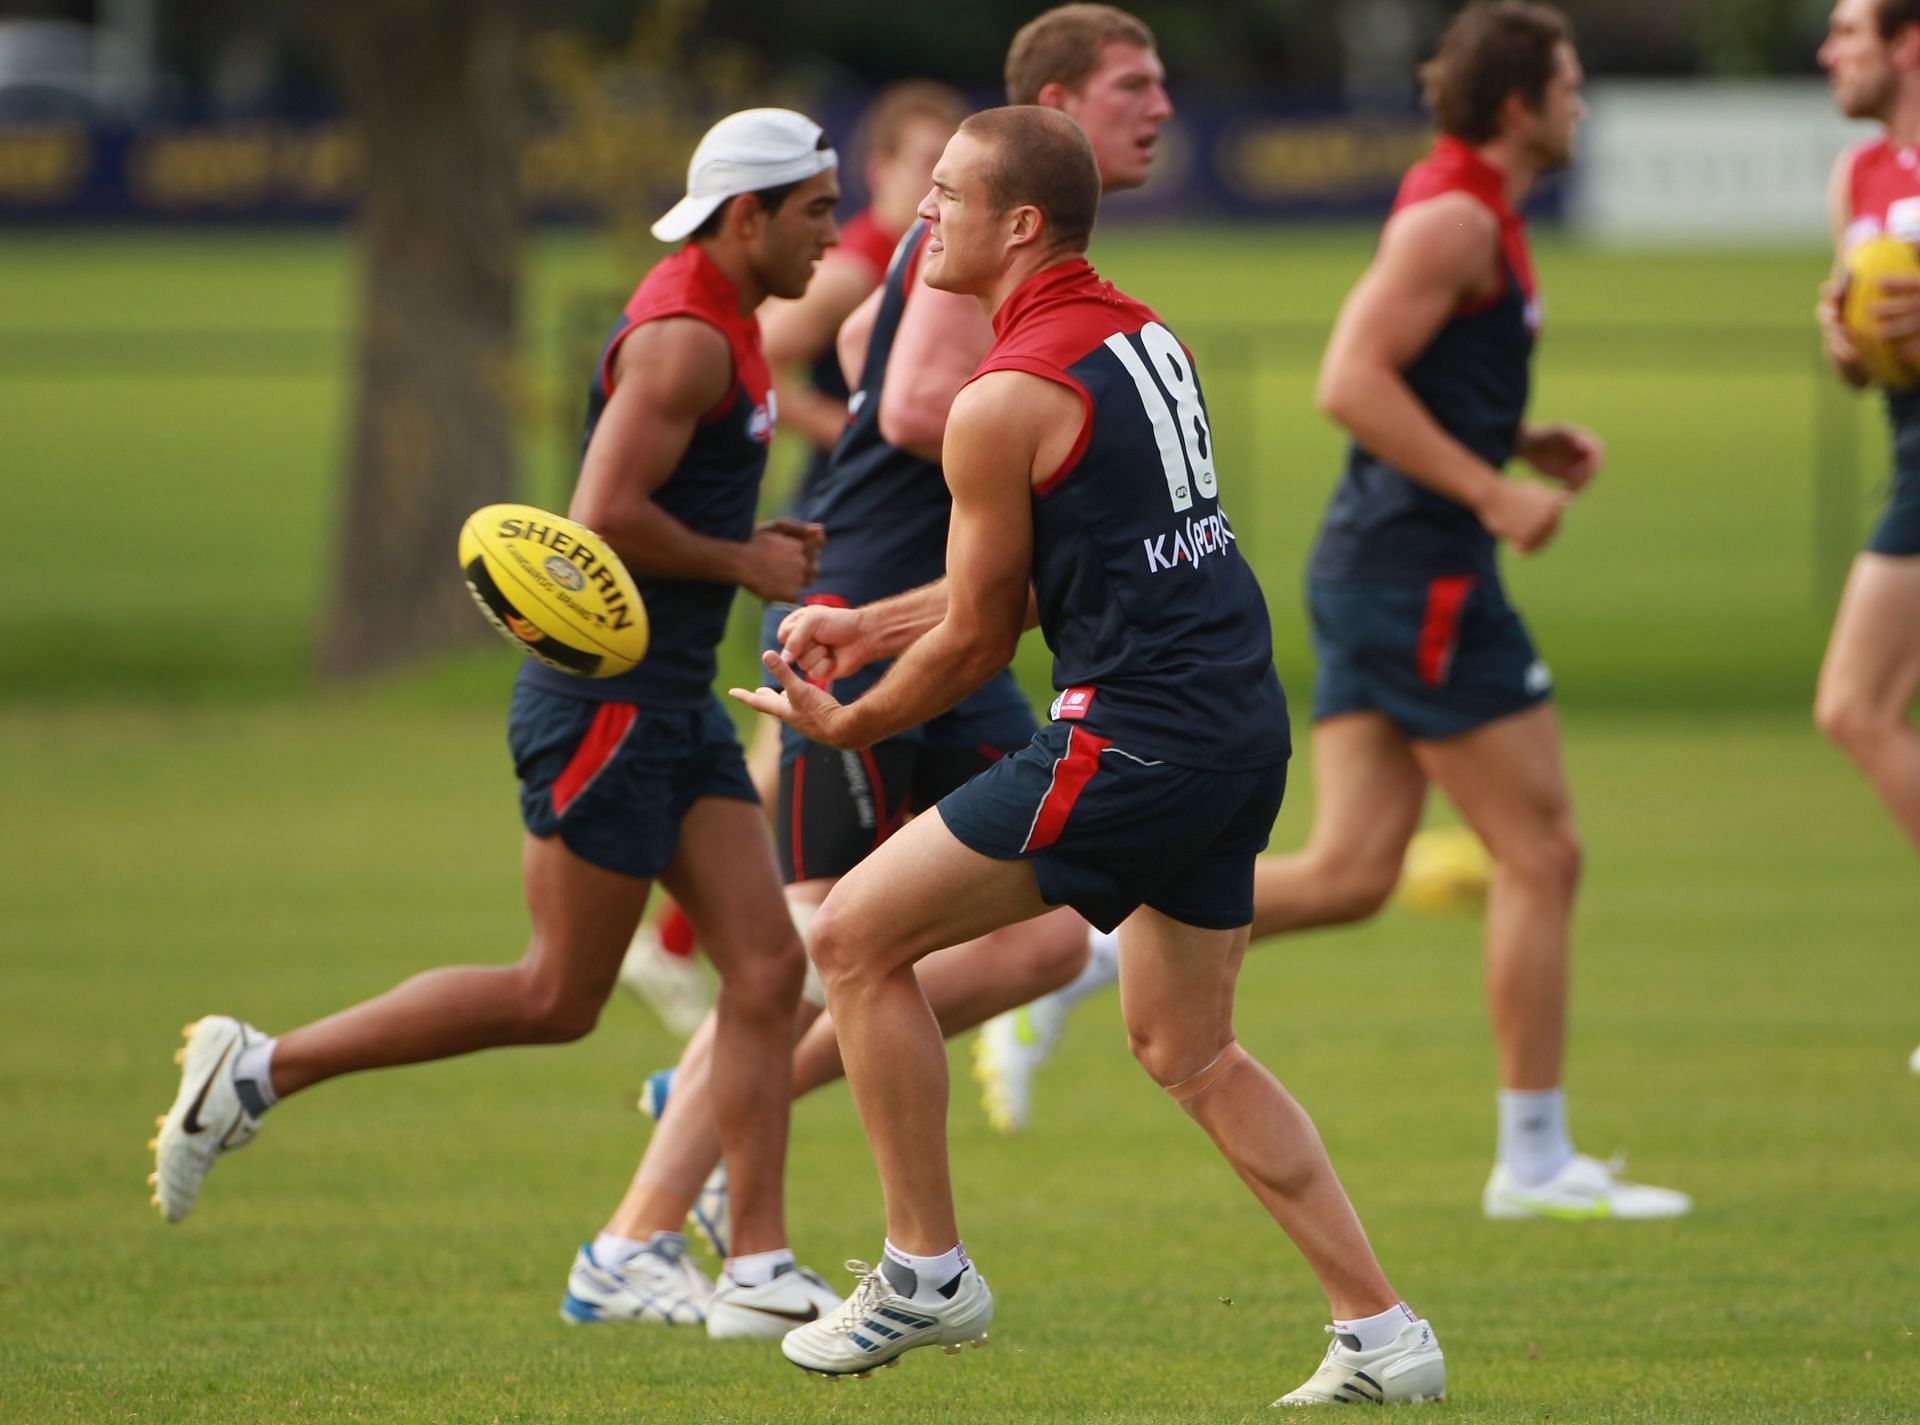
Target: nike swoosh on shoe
[(191, 1124)]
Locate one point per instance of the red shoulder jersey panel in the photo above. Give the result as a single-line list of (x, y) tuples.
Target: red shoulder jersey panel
[(1050, 322), (1453, 167), (688, 284), (1883, 193)]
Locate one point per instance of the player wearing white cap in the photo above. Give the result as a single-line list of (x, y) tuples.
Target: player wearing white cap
[(632, 779)]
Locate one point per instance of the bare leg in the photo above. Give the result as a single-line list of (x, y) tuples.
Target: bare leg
[(583, 917), (1507, 781), (723, 874), (918, 892), (1870, 678), (1176, 992), (1368, 792), (966, 985)]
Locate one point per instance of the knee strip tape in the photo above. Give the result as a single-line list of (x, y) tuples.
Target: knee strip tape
[(1224, 1063)]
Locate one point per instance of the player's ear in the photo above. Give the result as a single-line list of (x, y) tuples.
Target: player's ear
[(744, 216), (1026, 225), (1053, 96)]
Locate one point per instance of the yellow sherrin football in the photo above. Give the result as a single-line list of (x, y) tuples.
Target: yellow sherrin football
[(1446, 872), (1867, 263), (554, 589)]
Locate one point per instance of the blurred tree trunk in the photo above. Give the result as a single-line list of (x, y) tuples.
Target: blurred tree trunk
[(434, 87)]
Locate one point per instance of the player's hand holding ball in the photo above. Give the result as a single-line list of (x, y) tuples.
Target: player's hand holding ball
[(1880, 311)]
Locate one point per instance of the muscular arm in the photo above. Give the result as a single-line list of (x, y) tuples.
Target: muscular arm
[(666, 376), (1002, 431), (797, 332), (1835, 339), (939, 345), (1433, 256)]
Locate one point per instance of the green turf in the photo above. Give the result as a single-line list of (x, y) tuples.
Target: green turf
[(190, 825), (172, 411), (394, 1248)]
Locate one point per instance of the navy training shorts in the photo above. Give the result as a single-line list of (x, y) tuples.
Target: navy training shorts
[(1897, 532), (1108, 832), (613, 781), (1436, 657)]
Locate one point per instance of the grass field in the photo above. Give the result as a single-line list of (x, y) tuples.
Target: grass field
[(191, 826)]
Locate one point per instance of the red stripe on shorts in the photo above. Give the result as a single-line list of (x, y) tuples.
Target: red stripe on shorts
[(1071, 773), (1441, 628), (799, 785), (609, 727)]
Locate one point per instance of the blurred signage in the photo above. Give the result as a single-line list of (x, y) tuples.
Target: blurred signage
[(1709, 162), (1211, 163)]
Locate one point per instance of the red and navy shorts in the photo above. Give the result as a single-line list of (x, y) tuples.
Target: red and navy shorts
[(1436, 657), (613, 781), (1109, 832)]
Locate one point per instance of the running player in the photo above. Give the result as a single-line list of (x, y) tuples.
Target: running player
[(900, 135), (885, 506), (632, 779), (1081, 467), (1871, 674), (1426, 673)]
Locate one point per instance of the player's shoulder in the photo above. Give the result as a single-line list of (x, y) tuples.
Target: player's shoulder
[(684, 359), (687, 284), (1061, 315)]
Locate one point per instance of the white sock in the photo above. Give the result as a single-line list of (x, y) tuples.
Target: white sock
[(253, 1077), (1372, 1332), (1533, 1134), (758, 1268), (928, 1279), (1103, 968), (610, 1250)]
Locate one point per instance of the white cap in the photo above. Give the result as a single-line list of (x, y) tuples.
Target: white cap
[(743, 153)]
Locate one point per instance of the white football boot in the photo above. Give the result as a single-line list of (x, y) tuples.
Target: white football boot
[(1007, 1052), (672, 986), (1584, 1189), (657, 1285), (876, 1325), (795, 1296), (207, 1117), (710, 1217), (1407, 1371)]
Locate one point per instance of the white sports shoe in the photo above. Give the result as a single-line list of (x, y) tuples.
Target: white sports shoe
[(1406, 1372), (711, 1219), (1585, 1188), (207, 1117), (767, 1312), (876, 1325), (1008, 1051), (672, 986), (658, 1285)]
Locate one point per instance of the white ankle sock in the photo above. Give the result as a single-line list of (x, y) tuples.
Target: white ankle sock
[(921, 1278), (610, 1250), (1533, 1134), (758, 1268), (253, 1077), (1373, 1332), (1103, 968)]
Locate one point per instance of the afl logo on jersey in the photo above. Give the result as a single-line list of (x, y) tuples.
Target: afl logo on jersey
[(760, 423)]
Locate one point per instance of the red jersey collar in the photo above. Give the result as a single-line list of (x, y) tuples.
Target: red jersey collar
[(713, 283), (1074, 277), (1457, 159)]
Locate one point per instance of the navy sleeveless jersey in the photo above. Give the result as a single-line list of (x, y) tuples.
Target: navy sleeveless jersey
[(885, 511), (713, 490), (864, 241), (1473, 379), (1158, 628)]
